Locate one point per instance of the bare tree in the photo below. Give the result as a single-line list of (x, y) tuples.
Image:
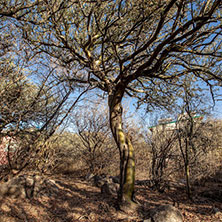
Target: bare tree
[(162, 143), (189, 125), (96, 147), (125, 48)]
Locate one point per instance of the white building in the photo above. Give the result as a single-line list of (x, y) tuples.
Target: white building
[(167, 124)]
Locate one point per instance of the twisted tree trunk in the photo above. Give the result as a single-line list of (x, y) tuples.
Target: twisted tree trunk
[(127, 159)]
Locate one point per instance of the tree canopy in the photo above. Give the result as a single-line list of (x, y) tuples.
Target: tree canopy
[(106, 43)]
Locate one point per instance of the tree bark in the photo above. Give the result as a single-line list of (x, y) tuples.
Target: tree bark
[(187, 168), (126, 150)]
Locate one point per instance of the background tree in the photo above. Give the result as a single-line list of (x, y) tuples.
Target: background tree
[(125, 48), (185, 142), (84, 145), (26, 109), (189, 123), (184, 151), (32, 103), (95, 144), (162, 145)]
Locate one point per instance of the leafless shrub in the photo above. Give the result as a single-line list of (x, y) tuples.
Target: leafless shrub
[(168, 152), (95, 144), (207, 156), (87, 149), (162, 145)]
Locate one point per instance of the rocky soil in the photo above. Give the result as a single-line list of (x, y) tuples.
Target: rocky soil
[(38, 198)]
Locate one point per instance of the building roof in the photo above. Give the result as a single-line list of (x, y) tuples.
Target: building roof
[(176, 121)]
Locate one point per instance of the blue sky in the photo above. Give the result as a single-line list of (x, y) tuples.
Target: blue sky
[(217, 111)]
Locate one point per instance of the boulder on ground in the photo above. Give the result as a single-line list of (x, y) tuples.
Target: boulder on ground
[(25, 186), (165, 213)]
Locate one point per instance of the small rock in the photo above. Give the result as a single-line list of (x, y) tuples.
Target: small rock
[(89, 177), (30, 181), (20, 186), (99, 181), (148, 220), (215, 210), (5, 208), (114, 179), (3, 189), (15, 191), (109, 188)]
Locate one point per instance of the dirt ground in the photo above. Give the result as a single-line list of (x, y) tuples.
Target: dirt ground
[(70, 199)]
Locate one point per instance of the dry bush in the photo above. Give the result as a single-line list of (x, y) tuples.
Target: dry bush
[(90, 149), (143, 160), (207, 158), (97, 148), (66, 154), (28, 110), (204, 159), (142, 152), (60, 154), (164, 156)]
